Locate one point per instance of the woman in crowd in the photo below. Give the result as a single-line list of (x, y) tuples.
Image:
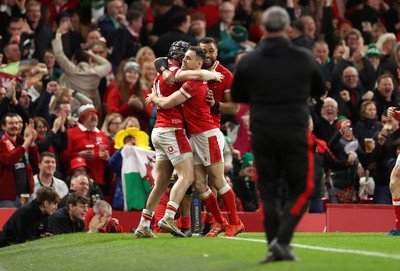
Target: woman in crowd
[(126, 95)]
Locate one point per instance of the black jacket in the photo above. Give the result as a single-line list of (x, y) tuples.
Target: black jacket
[(27, 223), (277, 79)]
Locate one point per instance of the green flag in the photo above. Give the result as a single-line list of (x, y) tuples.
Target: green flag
[(137, 176)]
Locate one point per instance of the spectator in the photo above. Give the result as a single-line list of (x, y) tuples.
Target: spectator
[(145, 54), (102, 211), (69, 219), (45, 178), (199, 25), (12, 53), (130, 136), (130, 122), (345, 180), (325, 116), (17, 155), (29, 222), (351, 94), (210, 11), (41, 35), (78, 74), (126, 95), (385, 154), (297, 35), (9, 102), (368, 125), (88, 141), (55, 140), (148, 74), (180, 31), (384, 94), (392, 65), (79, 183), (373, 55), (78, 166), (50, 60), (219, 31), (385, 44), (71, 40), (244, 186), (15, 9), (164, 10)]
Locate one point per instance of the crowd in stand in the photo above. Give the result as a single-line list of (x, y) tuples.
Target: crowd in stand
[(85, 67)]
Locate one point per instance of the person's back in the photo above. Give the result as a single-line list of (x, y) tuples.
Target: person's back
[(278, 100), (278, 94)]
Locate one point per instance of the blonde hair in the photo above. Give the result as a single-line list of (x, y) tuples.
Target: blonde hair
[(141, 52), (147, 82), (108, 119), (135, 121)]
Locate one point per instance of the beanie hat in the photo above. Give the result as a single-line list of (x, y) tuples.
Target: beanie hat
[(86, 109), (78, 161), (340, 121), (102, 42), (132, 66), (247, 160), (239, 33), (373, 51)]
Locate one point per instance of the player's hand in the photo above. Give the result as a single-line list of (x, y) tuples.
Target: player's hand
[(210, 98), (218, 76), (149, 98)]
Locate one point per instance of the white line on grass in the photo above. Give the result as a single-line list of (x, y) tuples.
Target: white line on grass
[(328, 249)]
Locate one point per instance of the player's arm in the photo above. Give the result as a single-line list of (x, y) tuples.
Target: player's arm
[(201, 75), (227, 106), (172, 100)]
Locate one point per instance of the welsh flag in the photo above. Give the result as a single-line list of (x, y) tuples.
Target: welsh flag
[(137, 176)]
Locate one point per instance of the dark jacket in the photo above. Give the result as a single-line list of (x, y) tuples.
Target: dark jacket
[(61, 223), (27, 223), (281, 103)]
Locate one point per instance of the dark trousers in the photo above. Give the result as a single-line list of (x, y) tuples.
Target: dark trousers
[(289, 154)]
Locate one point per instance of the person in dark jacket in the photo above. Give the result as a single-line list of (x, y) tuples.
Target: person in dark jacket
[(278, 95), (30, 221), (69, 219)]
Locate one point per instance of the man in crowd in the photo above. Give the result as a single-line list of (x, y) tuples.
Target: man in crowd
[(69, 219), (17, 154), (80, 184), (30, 221), (45, 178), (88, 141), (279, 126)]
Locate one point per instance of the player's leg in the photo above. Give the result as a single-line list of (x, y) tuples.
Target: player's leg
[(184, 170), (163, 174), (394, 186)]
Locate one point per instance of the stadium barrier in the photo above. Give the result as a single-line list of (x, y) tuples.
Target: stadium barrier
[(338, 218)]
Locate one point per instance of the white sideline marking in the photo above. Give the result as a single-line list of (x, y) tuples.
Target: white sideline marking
[(328, 249)]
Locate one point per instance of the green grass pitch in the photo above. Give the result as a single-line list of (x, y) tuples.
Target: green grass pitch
[(108, 252)]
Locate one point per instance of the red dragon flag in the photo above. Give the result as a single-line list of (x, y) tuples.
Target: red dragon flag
[(137, 176)]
